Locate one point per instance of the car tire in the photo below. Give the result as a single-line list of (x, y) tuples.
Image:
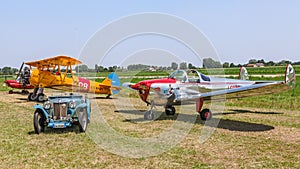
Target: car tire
[(83, 120), (38, 122)]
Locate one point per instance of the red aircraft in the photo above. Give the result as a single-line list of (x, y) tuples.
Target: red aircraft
[(21, 82), (192, 85)]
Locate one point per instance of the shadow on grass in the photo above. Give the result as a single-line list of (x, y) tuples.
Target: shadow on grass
[(232, 125), (103, 97), (73, 129), (237, 111)]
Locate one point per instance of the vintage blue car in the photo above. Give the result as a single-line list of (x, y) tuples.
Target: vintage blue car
[(61, 112)]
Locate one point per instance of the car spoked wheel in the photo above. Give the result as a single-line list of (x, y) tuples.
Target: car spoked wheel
[(205, 114), (83, 120), (38, 122)]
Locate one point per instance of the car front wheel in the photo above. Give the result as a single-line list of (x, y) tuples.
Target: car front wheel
[(38, 122), (83, 120)]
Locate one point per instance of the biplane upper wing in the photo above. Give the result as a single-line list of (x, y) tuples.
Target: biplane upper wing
[(57, 60)]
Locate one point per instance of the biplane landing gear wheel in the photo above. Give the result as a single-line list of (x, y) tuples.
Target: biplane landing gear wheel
[(205, 114), (32, 97), (170, 110), (24, 92), (149, 115), (38, 122), (10, 92), (40, 97)]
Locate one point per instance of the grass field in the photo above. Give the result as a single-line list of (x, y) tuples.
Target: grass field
[(256, 132)]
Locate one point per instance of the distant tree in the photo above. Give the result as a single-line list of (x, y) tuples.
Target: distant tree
[(191, 66), (283, 63), (296, 63), (100, 69), (174, 65), (8, 70), (261, 61), (232, 65), (81, 68), (226, 65), (111, 69), (252, 61), (210, 63), (137, 67), (96, 67), (270, 63), (183, 65)]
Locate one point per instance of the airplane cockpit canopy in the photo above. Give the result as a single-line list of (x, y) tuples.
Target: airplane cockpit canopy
[(191, 76)]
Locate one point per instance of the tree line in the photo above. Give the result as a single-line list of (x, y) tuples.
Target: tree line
[(207, 63)]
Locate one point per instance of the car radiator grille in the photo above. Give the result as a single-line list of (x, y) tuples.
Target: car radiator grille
[(60, 110)]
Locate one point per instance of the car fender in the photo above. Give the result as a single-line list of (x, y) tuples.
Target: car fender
[(41, 109), (85, 106)]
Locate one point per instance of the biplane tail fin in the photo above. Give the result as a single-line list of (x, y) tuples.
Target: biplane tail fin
[(290, 76), (113, 81)]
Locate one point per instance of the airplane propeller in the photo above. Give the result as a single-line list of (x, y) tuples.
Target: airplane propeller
[(20, 70)]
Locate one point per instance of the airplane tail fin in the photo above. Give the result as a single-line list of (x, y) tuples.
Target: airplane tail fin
[(243, 75), (290, 76), (113, 80)]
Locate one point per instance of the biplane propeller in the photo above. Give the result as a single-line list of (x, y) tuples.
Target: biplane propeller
[(57, 73), (21, 81)]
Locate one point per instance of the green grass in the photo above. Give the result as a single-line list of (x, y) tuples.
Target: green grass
[(285, 101), (228, 147), (254, 132)]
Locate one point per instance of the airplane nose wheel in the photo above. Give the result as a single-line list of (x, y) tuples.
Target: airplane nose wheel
[(205, 114), (149, 115), (170, 110)]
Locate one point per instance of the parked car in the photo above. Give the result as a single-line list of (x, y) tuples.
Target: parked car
[(62, 112)]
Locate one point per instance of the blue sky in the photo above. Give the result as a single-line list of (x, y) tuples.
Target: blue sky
[(238, 29)]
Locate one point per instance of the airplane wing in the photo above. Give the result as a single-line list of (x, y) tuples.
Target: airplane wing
[(57, 60), (241, 92), (186, 92)]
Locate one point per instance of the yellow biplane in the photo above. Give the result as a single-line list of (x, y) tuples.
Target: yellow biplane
[(56, 72)]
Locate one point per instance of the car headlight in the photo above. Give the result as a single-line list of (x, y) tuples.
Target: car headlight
[(47, 105), (72, 104)]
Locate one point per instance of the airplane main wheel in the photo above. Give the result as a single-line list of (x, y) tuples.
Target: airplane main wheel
[(40, 97), (32, 97), (205, 114), (148, 115), (10, 92), (170, 110)]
